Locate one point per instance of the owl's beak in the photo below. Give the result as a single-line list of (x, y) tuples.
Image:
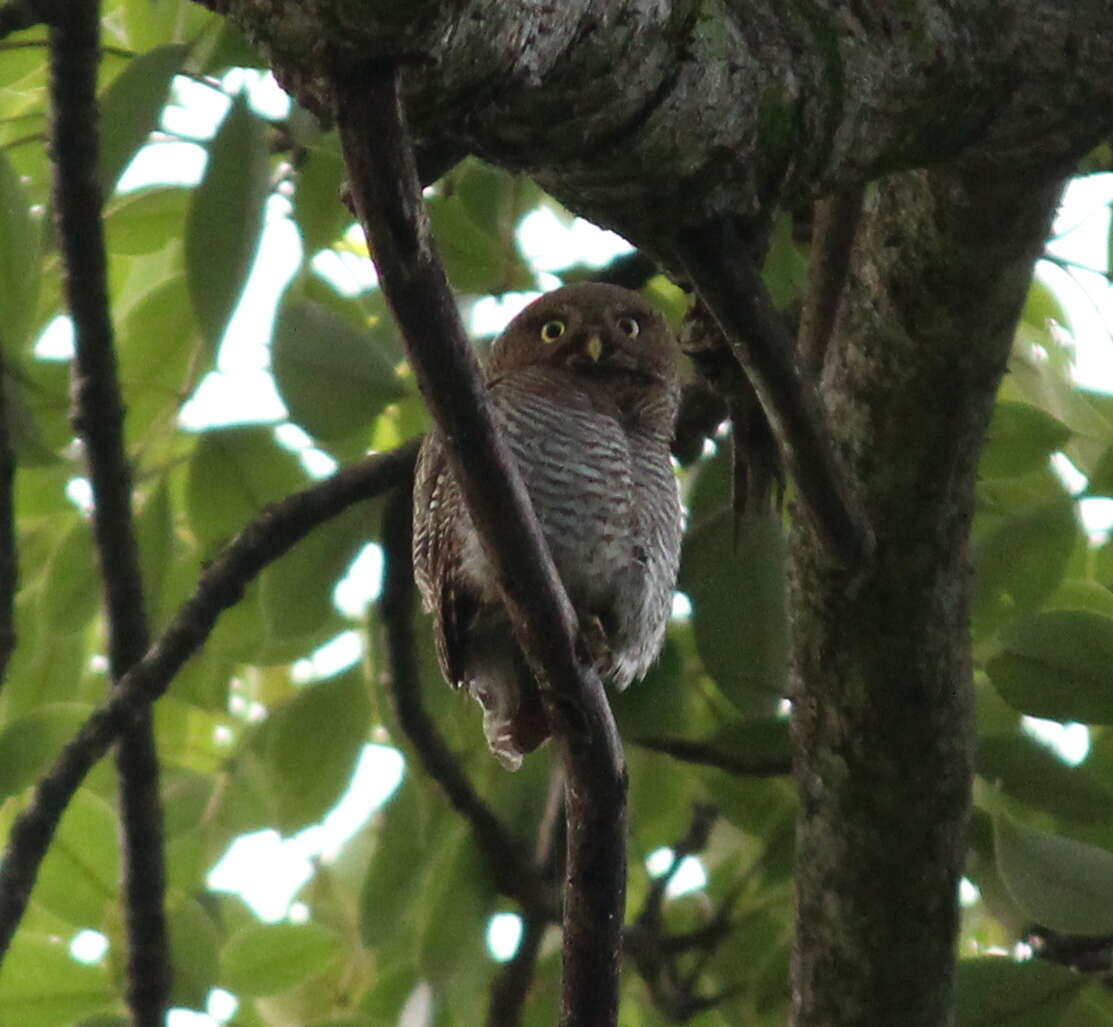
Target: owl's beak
[(594, 347)]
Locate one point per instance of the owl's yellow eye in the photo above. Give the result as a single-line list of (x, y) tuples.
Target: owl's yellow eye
[(552, 330), (629, 326)]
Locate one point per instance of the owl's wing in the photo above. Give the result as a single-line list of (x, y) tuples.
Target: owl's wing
[(445, 594)]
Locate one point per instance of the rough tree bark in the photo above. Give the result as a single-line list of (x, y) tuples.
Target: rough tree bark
[(881, 662), (661, 119)]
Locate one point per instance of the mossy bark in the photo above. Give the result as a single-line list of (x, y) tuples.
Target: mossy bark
[(881, 662)]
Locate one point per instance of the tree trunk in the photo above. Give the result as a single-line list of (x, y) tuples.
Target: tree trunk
[(881, 661)]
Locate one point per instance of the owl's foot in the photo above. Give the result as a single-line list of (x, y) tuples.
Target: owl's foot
[(596, 648)]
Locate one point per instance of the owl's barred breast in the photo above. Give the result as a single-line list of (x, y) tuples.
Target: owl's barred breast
[(608, 507)]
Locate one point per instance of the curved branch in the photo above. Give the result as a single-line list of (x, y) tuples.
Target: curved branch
[(98, 418), (274, 532), (387, 196)]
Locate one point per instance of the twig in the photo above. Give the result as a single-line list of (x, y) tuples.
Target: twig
[(275, 531), (99, 421), (386, 193), (836, 224), (708, 756), (1073, 265), (703, 819), (503, 853), (656, 953), (9, 554), (721, 268)]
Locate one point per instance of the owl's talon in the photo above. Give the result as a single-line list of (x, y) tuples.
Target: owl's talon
[(596, 648)]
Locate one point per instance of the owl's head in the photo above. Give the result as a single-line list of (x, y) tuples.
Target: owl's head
[(604, 335)]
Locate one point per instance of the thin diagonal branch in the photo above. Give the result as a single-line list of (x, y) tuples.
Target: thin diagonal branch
[(274, 532), (721, 267), (503, 853), (99, 420), (387, 196), (707, 755)]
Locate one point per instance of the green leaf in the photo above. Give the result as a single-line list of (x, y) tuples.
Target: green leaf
[(187, 735), (320, 215), (786, 270), (71, 592), (267, 958), (408, 833), (157, 345), (131, 106), (1028, 772), (143, 24), (331, 378), (1018, 564), (311, 745), (1021, 438), (19, 260), (1100, 481), (42, 985), (296, 591), (738, 603), (233, 474), (998, 992), (453, 906), (1059, 882), (1058, 664), (79, 876), (226, 219), (29, 744), (38, 410), (144, 221), (1042, 305), (195, 947), (475, 258)]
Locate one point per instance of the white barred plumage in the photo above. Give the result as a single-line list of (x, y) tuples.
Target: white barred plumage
[(584, 383)]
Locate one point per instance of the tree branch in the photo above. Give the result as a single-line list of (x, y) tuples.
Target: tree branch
[(756, 475), (833, 231), (504, 855), (99, 421), (720, 265), (274, 532), (16, 15), (709, 756), (657, 953), (386, 193)]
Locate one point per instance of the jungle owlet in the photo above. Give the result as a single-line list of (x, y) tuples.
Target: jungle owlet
[(584, 384)]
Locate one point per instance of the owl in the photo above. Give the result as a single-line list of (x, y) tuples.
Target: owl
[(584, 385)]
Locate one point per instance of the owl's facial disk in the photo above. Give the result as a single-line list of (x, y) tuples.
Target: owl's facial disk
[(593, 331), (601, 346)]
